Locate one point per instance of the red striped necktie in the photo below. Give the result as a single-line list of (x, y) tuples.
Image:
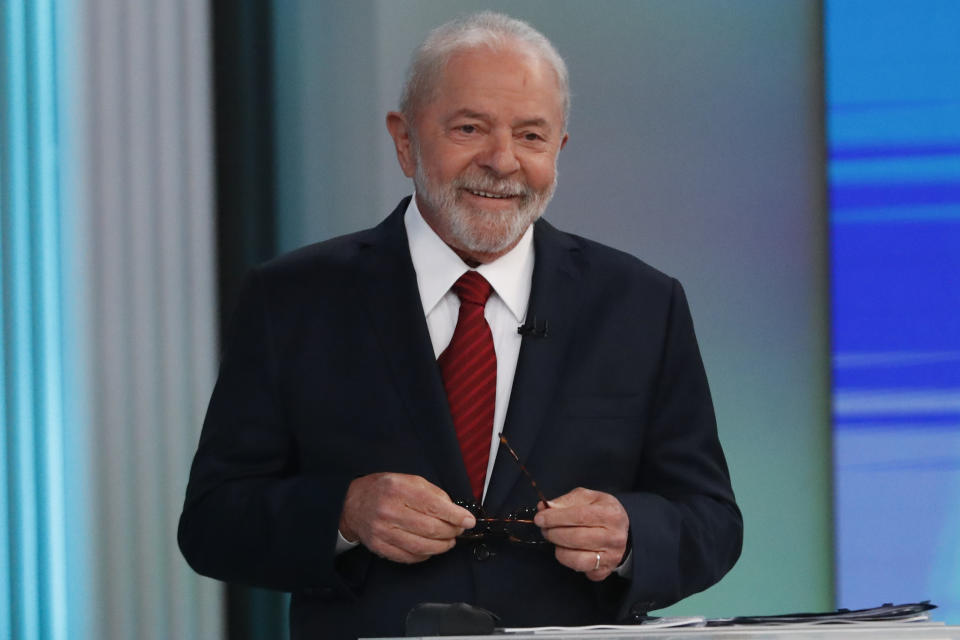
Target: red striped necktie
[(469, 369)]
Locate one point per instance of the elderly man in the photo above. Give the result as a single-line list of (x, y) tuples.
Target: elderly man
[(359, 446)]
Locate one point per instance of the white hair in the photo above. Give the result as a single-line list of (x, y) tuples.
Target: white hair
[(486, 29)]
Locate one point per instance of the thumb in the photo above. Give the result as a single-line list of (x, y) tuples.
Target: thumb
[(575, 497)]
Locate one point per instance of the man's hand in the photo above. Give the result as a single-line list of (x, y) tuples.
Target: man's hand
[(401, 517), (583, 524)]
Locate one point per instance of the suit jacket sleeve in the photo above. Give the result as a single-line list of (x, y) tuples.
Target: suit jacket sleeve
[(251, 515), (686, 530)]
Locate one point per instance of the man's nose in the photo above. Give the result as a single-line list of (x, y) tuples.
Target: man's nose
[(499, 155)]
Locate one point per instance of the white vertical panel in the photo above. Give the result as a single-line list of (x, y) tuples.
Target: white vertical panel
[(174, 306), (116, 587), (199, 358), (148, 214)]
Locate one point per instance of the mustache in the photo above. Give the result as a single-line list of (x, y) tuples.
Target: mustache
[(488, 183)]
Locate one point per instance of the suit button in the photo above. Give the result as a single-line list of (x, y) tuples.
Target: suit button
[(481, 553)]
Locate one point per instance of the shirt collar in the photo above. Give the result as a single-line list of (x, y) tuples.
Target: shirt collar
[(438, 266)]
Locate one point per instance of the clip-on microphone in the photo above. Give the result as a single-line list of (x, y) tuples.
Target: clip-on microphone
[(533, 328)]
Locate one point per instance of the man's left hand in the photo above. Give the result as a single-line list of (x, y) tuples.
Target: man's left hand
[(583, 524)]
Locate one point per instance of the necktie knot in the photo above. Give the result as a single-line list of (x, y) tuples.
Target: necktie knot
[(472, 288)]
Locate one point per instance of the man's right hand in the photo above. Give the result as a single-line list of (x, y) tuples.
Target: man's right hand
[(401, 517)]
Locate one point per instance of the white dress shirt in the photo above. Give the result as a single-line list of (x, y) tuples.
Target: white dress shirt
[(510, 275)]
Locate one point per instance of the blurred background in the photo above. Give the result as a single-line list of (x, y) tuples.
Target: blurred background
[(796, 164)]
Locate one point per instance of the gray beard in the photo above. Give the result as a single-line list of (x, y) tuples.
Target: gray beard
[(475, 230)]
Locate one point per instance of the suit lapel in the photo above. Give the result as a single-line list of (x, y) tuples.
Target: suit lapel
[(553, 298), (387, 283)]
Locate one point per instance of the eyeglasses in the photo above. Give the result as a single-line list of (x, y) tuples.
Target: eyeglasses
[(517, 526)]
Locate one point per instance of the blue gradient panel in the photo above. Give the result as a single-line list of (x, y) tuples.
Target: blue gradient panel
[(33, 527), (893, 94)]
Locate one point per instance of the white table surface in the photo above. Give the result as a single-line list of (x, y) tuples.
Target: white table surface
[(878, 631)]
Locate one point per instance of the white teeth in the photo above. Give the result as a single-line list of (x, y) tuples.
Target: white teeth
[(488, 195)]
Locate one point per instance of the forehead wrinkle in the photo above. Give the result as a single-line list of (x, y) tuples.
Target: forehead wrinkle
[(465, 112), (532, 122)]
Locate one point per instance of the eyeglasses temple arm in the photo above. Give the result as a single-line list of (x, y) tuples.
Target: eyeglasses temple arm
[(513, 453)]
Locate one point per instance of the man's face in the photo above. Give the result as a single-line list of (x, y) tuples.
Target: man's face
[(483, 151)]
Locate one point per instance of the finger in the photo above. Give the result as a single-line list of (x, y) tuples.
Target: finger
[(572, 516), (418, 494), (585, 561), (606, 511), (377, 504), (413, 545), (396, 554), (444, 510), (613, 548), (427, 498), (580, 495), (583, 538), (613, 540), (597, 576), (425, 526), (389, 515)]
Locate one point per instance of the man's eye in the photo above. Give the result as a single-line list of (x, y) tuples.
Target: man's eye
[(467, 128), (531, 137)]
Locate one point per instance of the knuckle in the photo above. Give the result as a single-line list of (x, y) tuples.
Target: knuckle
[(417, 546), (395, 484), (382, 512), (385, 531), (385, 484), (433, 530), (432, 508)]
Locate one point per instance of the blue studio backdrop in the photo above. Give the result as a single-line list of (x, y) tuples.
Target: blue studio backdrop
[(893, 92)]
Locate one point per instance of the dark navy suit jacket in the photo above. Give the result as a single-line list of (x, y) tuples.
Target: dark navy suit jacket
[(329, 374)]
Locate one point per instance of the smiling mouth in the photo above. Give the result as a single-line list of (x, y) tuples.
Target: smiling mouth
[(495, 196)]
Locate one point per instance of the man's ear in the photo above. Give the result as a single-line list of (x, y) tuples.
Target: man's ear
[(400, 131)]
